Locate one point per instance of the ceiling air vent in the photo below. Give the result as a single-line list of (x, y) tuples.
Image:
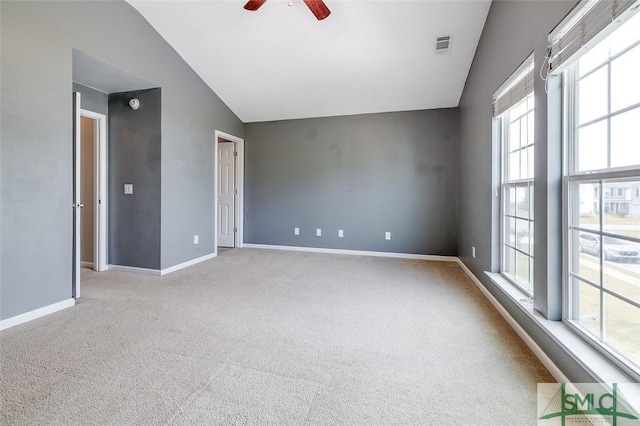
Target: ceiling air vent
[(443, 45)]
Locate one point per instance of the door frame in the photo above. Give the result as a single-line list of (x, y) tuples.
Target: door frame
[(100, 242), (75, 161), (239, 176)]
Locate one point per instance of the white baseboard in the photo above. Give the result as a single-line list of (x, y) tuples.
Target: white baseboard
[(355, 252), (187, 263), (135, 270), (540, 354), (537, 350), (86, 264), (36, 313), (161, 272)]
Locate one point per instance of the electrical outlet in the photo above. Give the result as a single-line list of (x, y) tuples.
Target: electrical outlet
[(318, 232), (296, 231), (128, 188), (340, 233), (196, 239), (387, 235), (473, 251)]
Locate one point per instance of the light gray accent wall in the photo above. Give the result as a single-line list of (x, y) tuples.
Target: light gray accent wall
[(513, 30), (365, 174), (37, 41), (93, 72), (35, 168), (87, 187), (134, 158)]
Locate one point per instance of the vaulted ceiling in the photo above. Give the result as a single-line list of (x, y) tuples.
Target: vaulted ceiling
[(281, 63)]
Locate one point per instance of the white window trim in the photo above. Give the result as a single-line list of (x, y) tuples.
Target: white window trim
[(517, 88), (573, 175), (502, 130), (594, 361)]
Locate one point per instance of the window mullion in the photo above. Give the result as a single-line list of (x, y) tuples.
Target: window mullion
[(609, 115), (609, 108), (601, 260), (572, 97)]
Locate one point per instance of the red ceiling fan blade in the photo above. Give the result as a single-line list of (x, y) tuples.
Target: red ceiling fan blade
[(254, 4), (318, 8)]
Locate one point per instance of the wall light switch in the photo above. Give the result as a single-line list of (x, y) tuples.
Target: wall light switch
[(195, 239), (473, 251), (296, 231), (387, 235), (128, 188), (318, 232), (340, 233)]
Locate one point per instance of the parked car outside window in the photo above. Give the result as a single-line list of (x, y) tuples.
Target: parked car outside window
[(614, 249)]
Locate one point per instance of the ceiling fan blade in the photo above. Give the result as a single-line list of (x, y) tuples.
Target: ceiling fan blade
[(254, 4), (318, 8)]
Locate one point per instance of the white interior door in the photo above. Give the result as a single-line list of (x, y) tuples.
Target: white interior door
[(77, 204), (226, 194)]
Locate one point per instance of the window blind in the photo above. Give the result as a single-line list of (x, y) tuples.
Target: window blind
[(515, 89), (584, 24)]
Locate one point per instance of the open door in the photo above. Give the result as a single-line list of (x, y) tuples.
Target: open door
[(229, 191), (227, 194), (77, 205)]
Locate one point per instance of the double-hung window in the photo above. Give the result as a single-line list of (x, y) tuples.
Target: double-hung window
[(513, 115), (600, 62)]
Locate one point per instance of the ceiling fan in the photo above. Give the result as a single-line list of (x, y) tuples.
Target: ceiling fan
[(317, 7)]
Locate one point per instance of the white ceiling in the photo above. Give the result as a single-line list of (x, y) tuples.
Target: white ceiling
[(281, 63)]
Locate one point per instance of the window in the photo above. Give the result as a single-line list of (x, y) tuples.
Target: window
[(602, 226), (513, 111)]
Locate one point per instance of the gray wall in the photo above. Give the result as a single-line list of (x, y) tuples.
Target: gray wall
[(365, 174), (513, 30), (37, 40), (134, 158)]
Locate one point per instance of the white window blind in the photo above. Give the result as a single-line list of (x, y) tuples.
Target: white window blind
[(515, 89), (586, 23)]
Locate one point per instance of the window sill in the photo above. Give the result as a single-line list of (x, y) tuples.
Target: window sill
[(583, 353)]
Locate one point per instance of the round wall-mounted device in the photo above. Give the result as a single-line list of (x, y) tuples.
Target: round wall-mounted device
[(134, 104)]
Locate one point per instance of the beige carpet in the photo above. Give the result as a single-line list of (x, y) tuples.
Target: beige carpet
[(272, 337)]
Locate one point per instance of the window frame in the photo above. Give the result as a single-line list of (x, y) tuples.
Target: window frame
[(503, 122), (573, 178)]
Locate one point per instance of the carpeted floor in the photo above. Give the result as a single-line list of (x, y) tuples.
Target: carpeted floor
[(273, 337)]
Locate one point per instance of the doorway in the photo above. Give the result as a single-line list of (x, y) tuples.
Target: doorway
[(93, 190), (89, 190), (229, 185)]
